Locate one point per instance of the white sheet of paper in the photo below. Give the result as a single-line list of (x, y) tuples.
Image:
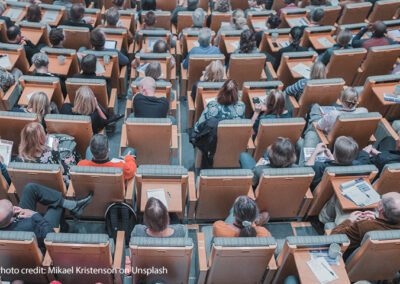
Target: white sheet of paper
[(5, 62), (210, 100), (235, 44), (362, 194), (14, 13), (49, 16), (100, 68), (151, 42), (258, 25), (142, 67), (284, 43), (196, 44), (297, 22), (322, 270), (116, 161), (324, 42), (158, 194), (28, 96), (110, 44), (6, 150), (308, 151), (394, 33), (303, 70)]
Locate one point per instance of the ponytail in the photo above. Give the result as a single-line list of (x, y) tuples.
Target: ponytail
[(247, 230)]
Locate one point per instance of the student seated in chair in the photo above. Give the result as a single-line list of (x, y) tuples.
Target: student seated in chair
[(244, 220), (56, 38), (378, 37), (214, 72), (247, 43), (316, 15), (99, 154), (385, 217), (345, 153), (198, 18), (77, 17), (15, 37), (183, 5), (342, 42), (281, 154), (7, 79), (25, 218), (112, 21)]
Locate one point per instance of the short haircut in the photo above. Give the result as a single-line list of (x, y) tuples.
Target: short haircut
[(155, 215), (40, 60), (282, 153), (318, 70), (222, 6), (349, 98), (34, 14), (345, 150), (391, 207), (97, 39), (204, 37), (275, 103), (160, 46), (99, 146), (229, 93), (13, 32), (150, 19), (274, 21), (317, 14), (56, 36), (88, 64), (77, 11), (153, 70), (344, 37), (379, 29), (112, 16), (6, 79), (198, 17), (192, 4)]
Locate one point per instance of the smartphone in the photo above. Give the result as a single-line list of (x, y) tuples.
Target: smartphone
[(256, 100), (50, 141), (274, 44)]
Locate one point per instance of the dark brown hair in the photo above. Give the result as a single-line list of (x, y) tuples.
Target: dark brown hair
[(155, 216), (275, 103), (229, 93), (281, 153), (150, 19), (97, 39), (34, 14)]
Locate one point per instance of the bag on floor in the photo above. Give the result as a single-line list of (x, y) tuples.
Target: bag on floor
[(120, 216)]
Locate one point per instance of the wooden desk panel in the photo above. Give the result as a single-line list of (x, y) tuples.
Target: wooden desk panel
[(231, 44), (108, 67), (28, 90), (294, 62), (314, 39), (256, 94), (117, 38), (173, 190), (56, 68), (301, 17), (34, 35), (389, 110), (278, 43), (13, 56)]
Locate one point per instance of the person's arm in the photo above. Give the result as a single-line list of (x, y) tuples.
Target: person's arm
[(321, 147), (4, 172), (41, 226), (325, 57), (130, 167), (357, 41), (295, 89), (122, 59)]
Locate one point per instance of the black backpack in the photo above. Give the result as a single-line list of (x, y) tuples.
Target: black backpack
[(120, 216)]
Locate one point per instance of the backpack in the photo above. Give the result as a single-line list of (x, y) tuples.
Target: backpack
[(120, 216)]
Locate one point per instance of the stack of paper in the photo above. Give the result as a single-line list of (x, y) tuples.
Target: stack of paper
[(391, 98), (5, 61), (360, 192), (308, 151), (158, 194), (284, 43), (49, 16), (322, 270), (235, 44), (324, 42), (110, 44), (6, 150), (13, 13), (100, 68), (303, 70)]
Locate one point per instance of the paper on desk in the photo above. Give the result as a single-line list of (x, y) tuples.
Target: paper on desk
[(308, 151), (151, 41), (5, 61), (158, 194), (142, 67), (100, 68), (324, 42), (13, 13), (303, 70), (394, 34), (284, 43), (322, 270), (211, 100), (6, 150), (361, 193), (235, 44), (49, 16), (258, 25), (297, 22), (116, 161)]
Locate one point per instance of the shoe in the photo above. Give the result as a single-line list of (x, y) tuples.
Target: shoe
[(80, 205)]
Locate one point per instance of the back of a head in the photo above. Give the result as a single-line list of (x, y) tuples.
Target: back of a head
[(153, 70), (229, 93), (13, 32), (160, 46), (214, 72), (245, 212), (192, 4), (222, 6), (204, 37), (6, 79), (99, 147), (77, 12), (85, 101), (344, 37), (349, 98), (148, 5), (112, 16), (247, 41), (40, 60), (391, 207), (97, 39), (318, 71), (317, 14), (118, 3), (56, 36), (6, 212), (345, 150), (238, 19), (150, 19), (88, 64), (155, 215), (275, 102), (296, 33), (198, 17), (274, 21), (39, 104), (33, 141), (282, 153), (148, 84), (34, 14), (379, 29)]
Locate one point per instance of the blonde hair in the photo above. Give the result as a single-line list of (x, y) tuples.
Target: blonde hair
[(318, 70), (33, 141), (85, 101), (39, 104), (214, 72), (349, 98)]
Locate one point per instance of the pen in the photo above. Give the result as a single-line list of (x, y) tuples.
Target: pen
[(328, 268)]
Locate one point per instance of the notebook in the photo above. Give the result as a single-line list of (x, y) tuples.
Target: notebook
[(360, 192), (159, 194), (324, 42), (391, 98), (322, 270), (5, 61), (303, 70), (100, 68), (49, 16), (6, 150)]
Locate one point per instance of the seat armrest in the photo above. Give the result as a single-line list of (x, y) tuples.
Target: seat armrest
[(119, 255), (202, 258), (308, 197), (389, 129), (250, 146), (174, 140), (70, 191), (192, 195), (12, 194), (113, 100), (270, 72), (184, 73), (191, 109), (272, 268), (128, 108), (122, 78), (130, 185), (293, 105), (124, 139), (320, 134)]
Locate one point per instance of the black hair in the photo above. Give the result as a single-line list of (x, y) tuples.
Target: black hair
[(88, 64), (247, 41), (296, 33), (246, 212), (13, 32)]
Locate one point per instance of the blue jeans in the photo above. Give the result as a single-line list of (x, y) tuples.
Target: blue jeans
[(247, 162)]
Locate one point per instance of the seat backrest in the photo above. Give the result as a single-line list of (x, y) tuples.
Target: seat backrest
[(70, 54), (389, 179), (379, 60), (10, 98), (384, 10), (11, 125), (120, 35), (286, 187), (52, 14), (236, 133), (163, 89), (253, 63), (36, 32), (270, 129), (49, 175), (218, 189), (78, 126), (163, 17), (184, 20), (332, 13), (16, 10), (324, 191), (19, 250), (98, 86), (344, 63), (16, 53), (354, 13), (377, 257), (170, 254), (147, 38), (198, 63), (331, 88), (217, 18), (317, 33), (240, 4), (163, 58), (166, 5), (151, 138), (257, 20), (284, 73), (107, 185), (359, 126), (73, 33), (229, 257), (84, 251), (128, 19)]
